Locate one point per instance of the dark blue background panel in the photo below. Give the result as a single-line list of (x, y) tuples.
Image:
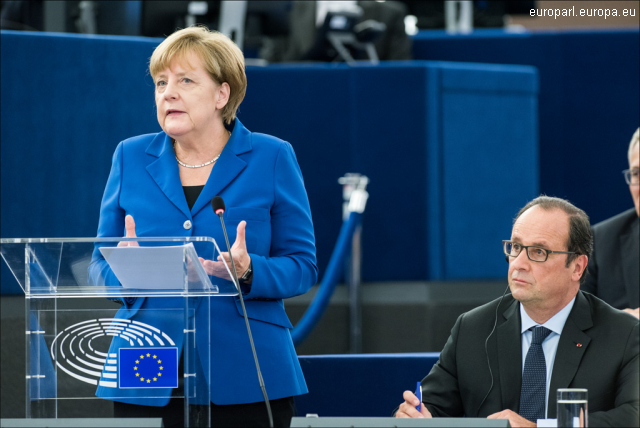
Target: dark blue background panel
[(588, 103), (309, 108), (397, 124), (361, 384), (66, 102), (485, 153), (390, 144), (413, 127)]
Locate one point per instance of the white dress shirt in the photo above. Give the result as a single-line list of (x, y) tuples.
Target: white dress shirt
[(550, 344)]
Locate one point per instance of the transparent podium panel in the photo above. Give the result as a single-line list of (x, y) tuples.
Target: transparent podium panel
[(113, 321)]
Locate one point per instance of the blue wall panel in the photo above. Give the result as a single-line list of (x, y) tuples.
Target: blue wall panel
[(361, 384), (490, 162), (66, 103), (68, 100), (310, 109), (390, 148), (388, 122), (588, 103), (489, 152)]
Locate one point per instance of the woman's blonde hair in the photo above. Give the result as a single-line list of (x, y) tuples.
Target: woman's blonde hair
[(222, 59)]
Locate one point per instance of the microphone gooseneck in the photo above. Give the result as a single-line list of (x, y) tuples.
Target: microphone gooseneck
[(217, 203)]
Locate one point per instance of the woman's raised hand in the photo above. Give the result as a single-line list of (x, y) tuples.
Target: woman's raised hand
[(130, 227), (240, 255)]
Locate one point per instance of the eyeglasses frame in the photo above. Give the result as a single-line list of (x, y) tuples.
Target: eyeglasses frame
[(526, 247), (627, 177)]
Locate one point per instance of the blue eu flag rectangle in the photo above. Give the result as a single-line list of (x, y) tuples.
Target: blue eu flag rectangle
[(148, 367)]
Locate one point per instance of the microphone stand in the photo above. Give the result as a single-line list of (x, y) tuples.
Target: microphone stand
[(246, 320)]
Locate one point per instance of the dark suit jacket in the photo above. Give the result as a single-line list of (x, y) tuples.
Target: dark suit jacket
[(606, 363), (614, 270), (393, 45)]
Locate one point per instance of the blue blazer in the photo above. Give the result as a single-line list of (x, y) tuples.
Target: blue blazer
[(260, 180)]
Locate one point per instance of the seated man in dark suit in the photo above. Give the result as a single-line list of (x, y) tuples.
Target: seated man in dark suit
[(614, 270), (506, 359)]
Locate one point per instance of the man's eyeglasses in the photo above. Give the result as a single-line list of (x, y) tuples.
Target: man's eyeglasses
[(632, 176), (535, 254)]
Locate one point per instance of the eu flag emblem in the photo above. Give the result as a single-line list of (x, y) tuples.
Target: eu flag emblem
[(148, 367)]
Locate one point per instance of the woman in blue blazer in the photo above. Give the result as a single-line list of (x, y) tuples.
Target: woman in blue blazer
[(162, 184)]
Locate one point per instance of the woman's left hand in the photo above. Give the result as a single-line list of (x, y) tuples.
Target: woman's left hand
[(240, 255)]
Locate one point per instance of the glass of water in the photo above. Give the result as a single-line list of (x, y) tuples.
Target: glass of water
[(573, 408)]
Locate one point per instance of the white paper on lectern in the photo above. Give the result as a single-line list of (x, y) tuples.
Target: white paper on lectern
[(154, 267)]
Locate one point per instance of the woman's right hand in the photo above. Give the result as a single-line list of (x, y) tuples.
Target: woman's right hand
[(130, 227)]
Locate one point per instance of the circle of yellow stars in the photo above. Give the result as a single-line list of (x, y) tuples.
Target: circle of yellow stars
[(148, 380)]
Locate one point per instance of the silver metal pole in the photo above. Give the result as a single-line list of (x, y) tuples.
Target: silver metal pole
[(355, 293), (232, 17), (459, 16), (355, 199), (55, 16)]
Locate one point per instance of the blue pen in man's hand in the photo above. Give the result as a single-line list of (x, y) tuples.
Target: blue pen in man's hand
[(419, 395)]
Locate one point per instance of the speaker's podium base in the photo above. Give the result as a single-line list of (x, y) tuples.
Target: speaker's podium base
[(83, 422), (357, 422), (82, 356)]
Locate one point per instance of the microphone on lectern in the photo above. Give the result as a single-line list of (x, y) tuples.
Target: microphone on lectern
[(217, 203)]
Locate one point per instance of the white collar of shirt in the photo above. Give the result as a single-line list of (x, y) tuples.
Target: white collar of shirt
[(549, 345), (555, 323)]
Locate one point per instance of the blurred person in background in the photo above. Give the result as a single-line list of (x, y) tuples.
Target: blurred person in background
[(614, 267), (307, 16), (21, 15)]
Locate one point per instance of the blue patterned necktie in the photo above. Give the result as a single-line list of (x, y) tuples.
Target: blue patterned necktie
[(534, 378)]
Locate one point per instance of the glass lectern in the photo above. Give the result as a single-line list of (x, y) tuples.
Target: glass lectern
[(151, 345)]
